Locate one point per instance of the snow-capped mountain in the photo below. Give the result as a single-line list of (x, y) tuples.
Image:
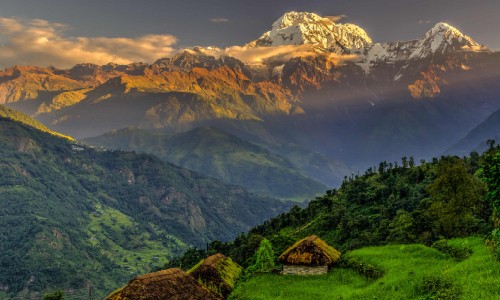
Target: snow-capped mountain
[(442, 38), (303, 28)]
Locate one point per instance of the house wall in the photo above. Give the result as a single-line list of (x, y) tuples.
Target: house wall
[(304, 270)]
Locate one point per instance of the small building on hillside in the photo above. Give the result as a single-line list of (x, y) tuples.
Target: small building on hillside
[(171, 284), (309, 256)]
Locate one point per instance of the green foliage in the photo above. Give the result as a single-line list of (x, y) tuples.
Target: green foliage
[(490, 173), (363, 268), (491, 176), (57, 295), (188, 260), (264, 258), (457, 199), (459, 252), (439, 287)]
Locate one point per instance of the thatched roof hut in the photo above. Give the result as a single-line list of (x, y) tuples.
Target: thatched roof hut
[(172, 284), (309, 252), (218, 273)]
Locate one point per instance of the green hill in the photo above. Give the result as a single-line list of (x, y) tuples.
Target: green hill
[(72, 215), (410, 272), (25, 119), (220, 155), (398, 203), (405, 232)]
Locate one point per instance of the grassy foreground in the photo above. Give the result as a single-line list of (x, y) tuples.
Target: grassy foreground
[(405, 268)]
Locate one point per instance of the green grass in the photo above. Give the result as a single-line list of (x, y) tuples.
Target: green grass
[(404, 266), (124, 244)]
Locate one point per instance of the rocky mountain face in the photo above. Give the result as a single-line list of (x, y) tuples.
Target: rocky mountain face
[(341, 91)]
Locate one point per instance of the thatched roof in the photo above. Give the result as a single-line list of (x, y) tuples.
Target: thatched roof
[(172, 284), (218, 273), (311, 251)]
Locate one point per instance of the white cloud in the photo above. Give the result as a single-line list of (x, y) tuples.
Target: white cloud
[(219, 20), (335, 19), (476, 48), (42, 43), (261, 55)]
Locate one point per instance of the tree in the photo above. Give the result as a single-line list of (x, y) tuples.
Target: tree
[(401, 228), (490, 171), (491, 176), (264, 258), (456, 199), (57, 295)]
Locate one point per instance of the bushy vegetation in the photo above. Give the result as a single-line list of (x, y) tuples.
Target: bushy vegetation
[(490, 173), (264, 259), (57, 295), (459, 252), (363, 268), (440, 287)]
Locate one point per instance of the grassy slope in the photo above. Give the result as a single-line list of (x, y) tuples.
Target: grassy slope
[(405, 266), (25, 119)]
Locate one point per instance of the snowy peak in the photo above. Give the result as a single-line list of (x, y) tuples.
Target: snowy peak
[(443, 38), (296, 18), (299, 28)]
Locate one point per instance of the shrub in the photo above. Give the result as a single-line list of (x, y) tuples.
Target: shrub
[(264, 258), (438, 287), (365, 269), (57, 295), (494, 243), (458, 252)]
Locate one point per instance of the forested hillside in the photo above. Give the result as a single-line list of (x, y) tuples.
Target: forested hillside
[(71, 215), (215, 153), (393, 203)]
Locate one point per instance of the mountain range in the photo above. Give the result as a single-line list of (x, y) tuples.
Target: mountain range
[(328, 88)]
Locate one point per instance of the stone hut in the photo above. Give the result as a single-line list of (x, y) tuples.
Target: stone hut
[(171, 284), (309, 256)]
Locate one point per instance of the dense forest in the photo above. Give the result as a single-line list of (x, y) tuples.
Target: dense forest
[(393, 203)]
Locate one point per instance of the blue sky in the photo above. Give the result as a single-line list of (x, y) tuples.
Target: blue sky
[(235, 22)]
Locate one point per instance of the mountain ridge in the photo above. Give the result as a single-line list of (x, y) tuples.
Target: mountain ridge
[(335, 98)]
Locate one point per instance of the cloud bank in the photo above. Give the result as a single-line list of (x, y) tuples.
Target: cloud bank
[(277, 54), (336, 19), (43, 43)]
